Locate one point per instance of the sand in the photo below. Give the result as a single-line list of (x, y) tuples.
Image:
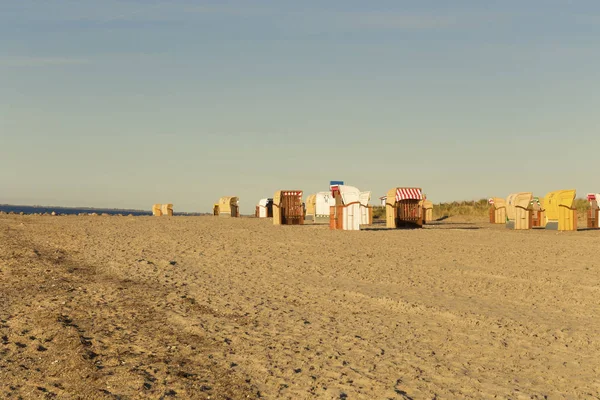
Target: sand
[(205, 307)]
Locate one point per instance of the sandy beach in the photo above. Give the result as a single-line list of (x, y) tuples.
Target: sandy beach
[(222, 308)]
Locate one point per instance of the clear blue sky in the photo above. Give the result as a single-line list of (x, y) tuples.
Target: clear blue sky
[(128, 103)]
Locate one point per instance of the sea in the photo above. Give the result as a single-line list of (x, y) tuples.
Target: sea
[(68, 210)]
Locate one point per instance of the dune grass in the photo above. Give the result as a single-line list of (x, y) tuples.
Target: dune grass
[(461, 208), (478, 208)]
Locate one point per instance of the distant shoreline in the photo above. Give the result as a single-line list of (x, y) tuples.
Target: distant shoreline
[(7, 208)]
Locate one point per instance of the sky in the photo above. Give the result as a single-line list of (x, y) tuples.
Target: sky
[(127, 103)]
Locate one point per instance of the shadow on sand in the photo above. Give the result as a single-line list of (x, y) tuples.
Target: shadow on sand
[(428, 226)]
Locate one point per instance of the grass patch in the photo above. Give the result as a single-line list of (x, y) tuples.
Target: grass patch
[(478, 208), (378, 212)]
